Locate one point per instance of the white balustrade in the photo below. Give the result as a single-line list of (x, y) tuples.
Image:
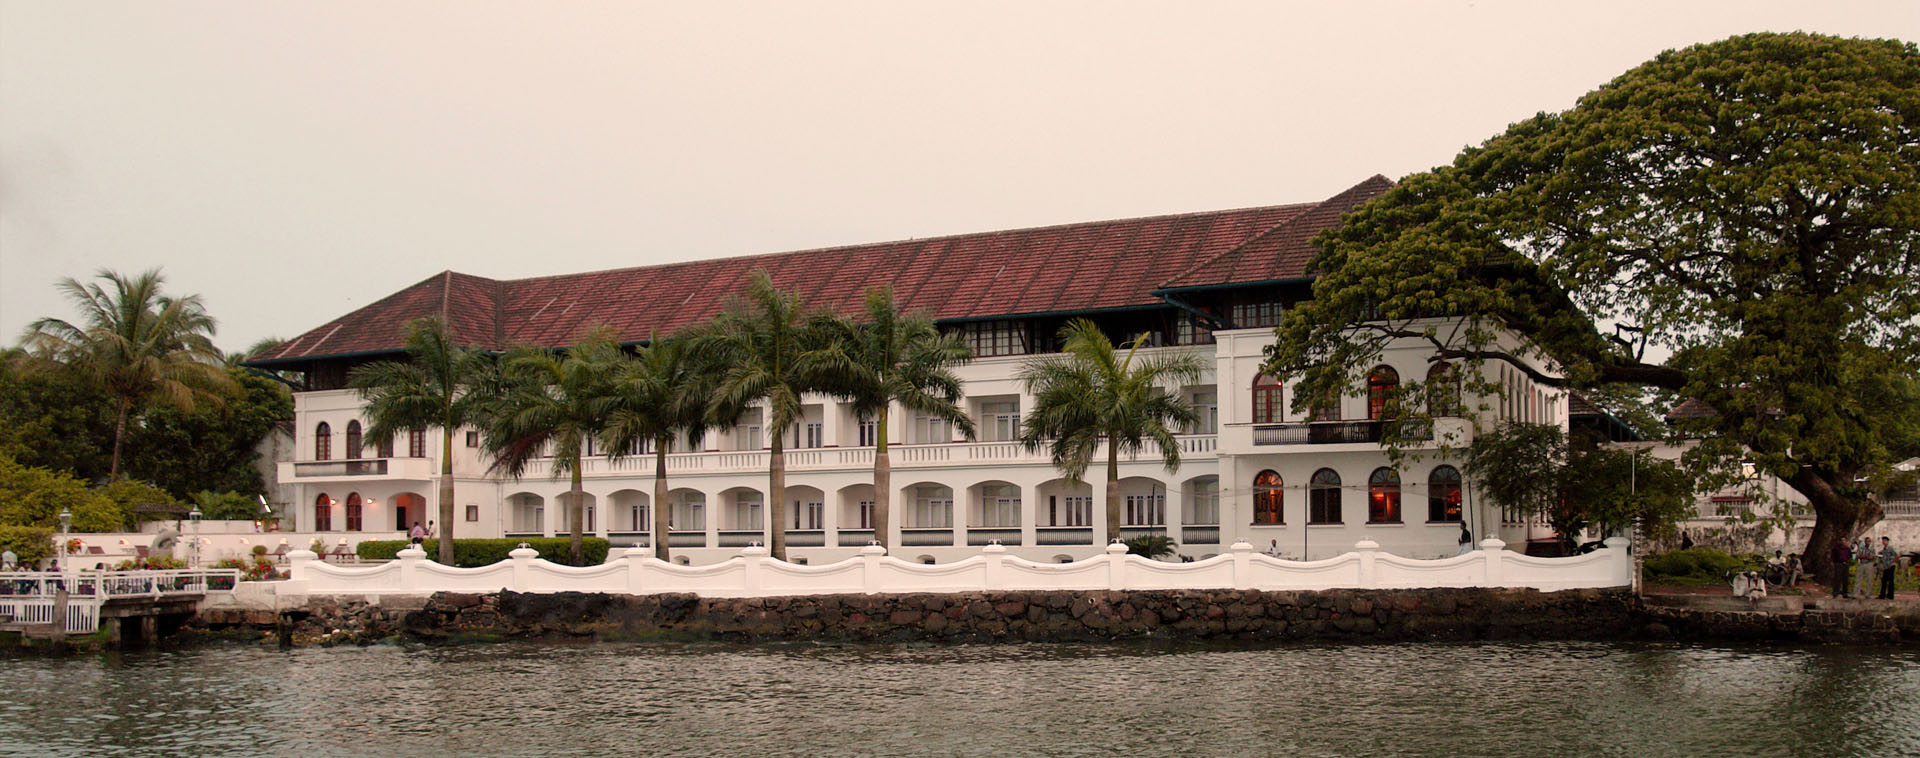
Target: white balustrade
[(753, 574)]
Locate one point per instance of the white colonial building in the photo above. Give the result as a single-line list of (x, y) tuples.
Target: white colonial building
[(1215, 283)]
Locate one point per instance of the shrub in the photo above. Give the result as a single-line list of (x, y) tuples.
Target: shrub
[(30, 544), (475, 553), (1697, 567), (256, 570), (150, 563), (1150, 546)]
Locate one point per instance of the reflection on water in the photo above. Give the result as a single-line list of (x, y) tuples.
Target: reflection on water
[(1069, 700)]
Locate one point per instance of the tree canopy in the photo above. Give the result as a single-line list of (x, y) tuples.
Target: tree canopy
[(1748, 207)]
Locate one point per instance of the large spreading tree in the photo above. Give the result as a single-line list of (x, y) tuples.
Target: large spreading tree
[(1749, 208)]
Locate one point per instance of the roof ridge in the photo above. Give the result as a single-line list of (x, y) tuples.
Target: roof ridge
[(1299, 218)]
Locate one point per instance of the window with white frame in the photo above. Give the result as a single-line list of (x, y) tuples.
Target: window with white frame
[(744, 512), (869, 432), (1247, 315), (642, 517), (752, 437), (1206, 411), (1069, 510), (933, 429), (1188, 331), (990, 338), (687, 512), (1148, 509), (1000, 420), (932, 508), (1204, 506), (810, 434), (865, 517), (999, 506), (809, 514)]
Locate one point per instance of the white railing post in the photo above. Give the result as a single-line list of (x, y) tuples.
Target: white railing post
[(299, 564), (1369, 562), (1493, 550), (522, 557), (755, 555), (636, 558), (1622, 561), (410, 558), (1242, 565), (870, 567), (1116, 566), (996, 557)]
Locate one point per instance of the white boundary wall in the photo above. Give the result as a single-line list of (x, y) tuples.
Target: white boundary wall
[(754, 574)]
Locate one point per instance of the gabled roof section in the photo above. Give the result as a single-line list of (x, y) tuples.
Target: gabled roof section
[(1071, 268), (1282, 252), (469, 305)]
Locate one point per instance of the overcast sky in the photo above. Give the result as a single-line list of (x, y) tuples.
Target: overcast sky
[(293, 161)]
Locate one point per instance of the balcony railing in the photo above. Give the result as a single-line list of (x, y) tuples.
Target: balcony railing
[(1332, 433), (391, 468), (851, 458)]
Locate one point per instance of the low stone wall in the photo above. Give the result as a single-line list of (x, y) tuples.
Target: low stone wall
[(1349, 615)]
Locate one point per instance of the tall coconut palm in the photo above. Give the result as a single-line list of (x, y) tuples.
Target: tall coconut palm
[(659, 394), (558, 402), (760, 344), (142, 345), (886, 358), (1093, 393), (433, 389)]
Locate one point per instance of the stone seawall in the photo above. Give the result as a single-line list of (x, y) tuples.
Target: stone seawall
[(1335, 615)]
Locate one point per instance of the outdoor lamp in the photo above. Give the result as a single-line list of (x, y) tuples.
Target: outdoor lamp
[(194, 514), (66, 519)]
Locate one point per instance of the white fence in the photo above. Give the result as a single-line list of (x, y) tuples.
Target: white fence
[(753, 574), (27, 597)]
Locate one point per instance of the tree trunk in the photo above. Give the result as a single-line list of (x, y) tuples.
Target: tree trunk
[(119, 438), (1113, 491), (1835, 519), (882, 482), (576, 512), (660, 498), (777, 500), (446, 496)]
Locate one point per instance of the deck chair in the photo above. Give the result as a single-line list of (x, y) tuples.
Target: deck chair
[(96, 550)]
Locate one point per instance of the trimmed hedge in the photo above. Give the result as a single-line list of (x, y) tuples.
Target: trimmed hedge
[(1698, 567), (477, 553)]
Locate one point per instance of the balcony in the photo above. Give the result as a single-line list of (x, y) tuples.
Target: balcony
[(1330, 433), (357, 469), (903, 457)]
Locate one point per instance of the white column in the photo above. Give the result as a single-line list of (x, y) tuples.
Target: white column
[(601, 512), (1030, 505), (550, 509), (1176, 512), (963, 501), (830, 501), (1098, 519), (830, 413), (711, 506)]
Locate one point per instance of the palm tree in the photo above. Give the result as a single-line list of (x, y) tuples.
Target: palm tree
[(892, 358), (433, 389), (558, 401), (760, 344), (140, 344), (660, 393), (1092, 394)]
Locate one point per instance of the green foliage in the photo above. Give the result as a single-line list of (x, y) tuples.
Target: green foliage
[(211, 446), (1749, 206), (31, 496), (1532, 471), (30, 544), (660, 393), (55, 419), (552, 405), (160, 562), (127, 493), (226, 506), (477, 553), (1151, 546), (142, 346), (1694, 567), (256, 569)]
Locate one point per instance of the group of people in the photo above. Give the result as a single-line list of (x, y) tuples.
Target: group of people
[(419, 534), (1869, 565)]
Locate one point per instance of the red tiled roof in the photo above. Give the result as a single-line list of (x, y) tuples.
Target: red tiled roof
[(1074, 267), (1284, 251), (1691, 408)]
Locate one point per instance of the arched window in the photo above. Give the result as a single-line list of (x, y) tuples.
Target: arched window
[(1443, 494), (416, 443), (353, 439), (1323, 498), (1380, 387), (322, 442), (1443, 391), (1266, 400), (1268, 499), (323, 513), (1383, 496), (353, 511)]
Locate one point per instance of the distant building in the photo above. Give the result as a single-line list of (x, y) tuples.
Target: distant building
[(1214, 282)]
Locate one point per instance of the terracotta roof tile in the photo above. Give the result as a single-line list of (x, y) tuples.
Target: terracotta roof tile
[(1283, 251), (1072, 267)]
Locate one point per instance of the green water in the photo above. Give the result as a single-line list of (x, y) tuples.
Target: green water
[(525, 699)]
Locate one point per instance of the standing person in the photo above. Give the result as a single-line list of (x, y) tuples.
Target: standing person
[(7, 559), (1889, 563), (430, 530), (1686, 540), (1840, 558), (1863, 564), (417, 534), (1466, 539)]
